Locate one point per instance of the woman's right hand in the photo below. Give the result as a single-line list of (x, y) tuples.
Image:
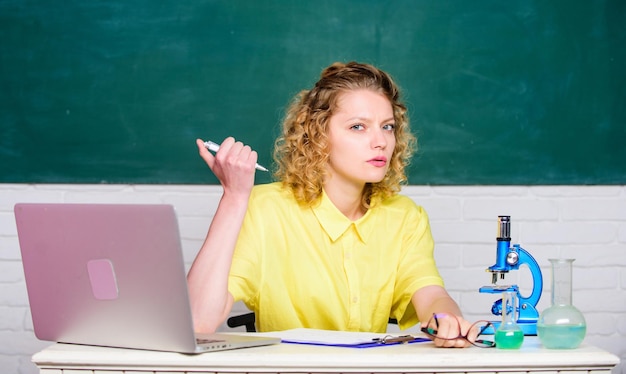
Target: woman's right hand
[(234, 164)]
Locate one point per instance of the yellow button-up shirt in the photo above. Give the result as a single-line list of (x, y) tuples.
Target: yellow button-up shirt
[(309, 267)]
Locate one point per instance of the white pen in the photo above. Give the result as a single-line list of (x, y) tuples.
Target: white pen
[(214, 147)]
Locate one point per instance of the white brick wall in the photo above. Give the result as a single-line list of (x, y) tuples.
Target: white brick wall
[(582, 222)]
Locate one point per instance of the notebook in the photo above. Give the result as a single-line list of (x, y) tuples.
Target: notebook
[(112, 275)]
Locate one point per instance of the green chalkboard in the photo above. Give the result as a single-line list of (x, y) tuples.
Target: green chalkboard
[(499, 92)]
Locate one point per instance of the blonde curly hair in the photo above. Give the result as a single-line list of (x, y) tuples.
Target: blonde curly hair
[(302, 150)]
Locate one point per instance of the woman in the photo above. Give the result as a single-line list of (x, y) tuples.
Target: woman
[(331, 245)]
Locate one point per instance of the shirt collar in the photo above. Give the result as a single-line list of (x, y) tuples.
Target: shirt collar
[(335, 223)]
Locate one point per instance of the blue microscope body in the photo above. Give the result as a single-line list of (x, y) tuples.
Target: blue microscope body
[(511, 258)]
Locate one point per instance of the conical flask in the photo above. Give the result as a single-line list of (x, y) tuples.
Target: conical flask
[(562, 325), (509, 335)]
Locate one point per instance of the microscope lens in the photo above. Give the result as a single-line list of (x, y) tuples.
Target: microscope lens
[(504, 228)]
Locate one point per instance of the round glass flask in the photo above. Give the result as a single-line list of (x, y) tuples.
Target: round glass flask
[(509, 335), (562, 325)]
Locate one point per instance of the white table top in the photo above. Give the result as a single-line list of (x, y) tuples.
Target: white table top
[(422, 357)]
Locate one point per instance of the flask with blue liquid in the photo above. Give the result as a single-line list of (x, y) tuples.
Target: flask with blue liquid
[(562, 325)]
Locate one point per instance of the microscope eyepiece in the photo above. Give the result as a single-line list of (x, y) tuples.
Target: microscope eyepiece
[(504, 228)]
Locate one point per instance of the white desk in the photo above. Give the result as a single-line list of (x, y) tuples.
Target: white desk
[(291, 358)]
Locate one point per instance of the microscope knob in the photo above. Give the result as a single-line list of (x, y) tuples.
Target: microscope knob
[(512, 258)]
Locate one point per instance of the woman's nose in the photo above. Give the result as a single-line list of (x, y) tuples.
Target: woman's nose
[(378, 139)]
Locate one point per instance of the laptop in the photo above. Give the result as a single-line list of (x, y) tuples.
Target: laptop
[(112, 275)]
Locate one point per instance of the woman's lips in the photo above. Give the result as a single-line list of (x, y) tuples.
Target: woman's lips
[(378, 161)]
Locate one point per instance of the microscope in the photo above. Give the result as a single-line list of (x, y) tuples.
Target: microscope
[(511, 258)]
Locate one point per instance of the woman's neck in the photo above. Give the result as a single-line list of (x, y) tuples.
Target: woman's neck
[(347, 200)]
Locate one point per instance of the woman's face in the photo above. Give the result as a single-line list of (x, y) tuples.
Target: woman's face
[(362, 138)]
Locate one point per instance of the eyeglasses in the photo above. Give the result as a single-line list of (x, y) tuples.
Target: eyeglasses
[(453, 326)]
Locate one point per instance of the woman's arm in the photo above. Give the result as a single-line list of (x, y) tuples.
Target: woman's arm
[(435, 299), (234, 166)]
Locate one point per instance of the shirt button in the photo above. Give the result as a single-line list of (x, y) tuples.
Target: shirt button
[(355, 299)]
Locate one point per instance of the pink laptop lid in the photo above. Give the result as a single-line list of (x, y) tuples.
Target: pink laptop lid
[(105, 274)]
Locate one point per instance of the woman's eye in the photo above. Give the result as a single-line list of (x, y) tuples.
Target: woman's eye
[(389, 127), (358, 126)]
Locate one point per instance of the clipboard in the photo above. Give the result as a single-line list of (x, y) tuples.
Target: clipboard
[(345, 339)]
